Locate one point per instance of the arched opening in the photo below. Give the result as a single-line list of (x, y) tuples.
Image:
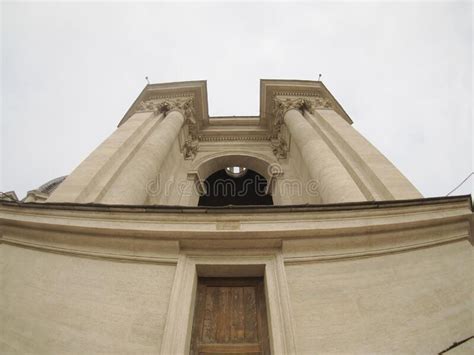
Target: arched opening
[(235, 178), (235, 185)]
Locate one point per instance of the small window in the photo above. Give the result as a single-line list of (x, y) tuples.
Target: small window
[(235, 171)]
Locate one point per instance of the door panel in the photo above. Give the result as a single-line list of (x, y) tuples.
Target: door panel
[(230, 317)]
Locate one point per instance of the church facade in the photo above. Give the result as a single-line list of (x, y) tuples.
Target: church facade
[(283, 233)]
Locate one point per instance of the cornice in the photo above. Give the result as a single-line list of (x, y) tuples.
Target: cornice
[(313, 91), (275, 97), (219, 138), (306, 232), (153, 94), (269, 89)]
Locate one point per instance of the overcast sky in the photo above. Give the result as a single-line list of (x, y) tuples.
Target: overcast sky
[(403, 72)]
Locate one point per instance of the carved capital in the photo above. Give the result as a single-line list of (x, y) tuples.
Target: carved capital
[(282, 104), (185, 105)]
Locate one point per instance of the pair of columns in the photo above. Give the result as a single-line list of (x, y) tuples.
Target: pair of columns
[(335, 184)]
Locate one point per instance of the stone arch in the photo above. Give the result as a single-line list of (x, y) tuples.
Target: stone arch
[(260, 163)]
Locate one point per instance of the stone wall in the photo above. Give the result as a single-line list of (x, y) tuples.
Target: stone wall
[(391, 278), (418, 301), (63, 304)]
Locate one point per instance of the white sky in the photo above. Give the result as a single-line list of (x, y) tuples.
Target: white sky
[(403, 72)]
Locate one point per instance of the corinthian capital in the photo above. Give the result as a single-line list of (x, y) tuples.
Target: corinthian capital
[(183, 105), (282, 105)]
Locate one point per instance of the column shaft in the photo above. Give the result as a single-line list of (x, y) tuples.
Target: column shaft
[(335, 183), (141, 175)]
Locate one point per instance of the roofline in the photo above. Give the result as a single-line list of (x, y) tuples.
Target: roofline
[(314, 82), (204, 83), (136, 101), (158, 85)]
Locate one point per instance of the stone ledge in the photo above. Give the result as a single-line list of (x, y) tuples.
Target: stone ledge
[(304, 233)]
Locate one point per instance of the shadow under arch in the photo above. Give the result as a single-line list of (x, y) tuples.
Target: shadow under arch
[(259, 163), (209, 171)]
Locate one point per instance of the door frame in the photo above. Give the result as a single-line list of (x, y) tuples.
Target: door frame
[(261, 334), (179, 321)]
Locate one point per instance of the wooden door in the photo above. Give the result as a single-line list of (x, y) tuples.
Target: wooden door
[(230, 317)]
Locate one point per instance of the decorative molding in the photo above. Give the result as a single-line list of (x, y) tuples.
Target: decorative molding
[(139, 233), (279, 146), (190, 148), (8, 196), (283, 100), (209, 163), (282, 103), (36, 196), (185, 105), (173, 101), (171, 91), (176, 95), (319, 99), (127, 256), (75, 243), (312, 90), (374, 243), (217, 138)]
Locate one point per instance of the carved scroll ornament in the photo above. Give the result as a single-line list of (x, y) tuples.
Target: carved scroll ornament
[(279, 147), (190, 148)]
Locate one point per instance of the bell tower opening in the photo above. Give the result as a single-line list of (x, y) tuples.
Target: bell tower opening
[(235, 185)]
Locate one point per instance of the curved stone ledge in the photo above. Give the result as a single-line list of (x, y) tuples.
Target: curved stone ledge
[(304, 233)]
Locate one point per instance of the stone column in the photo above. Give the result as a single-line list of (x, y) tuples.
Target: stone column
[(141, 175), (335, 183)]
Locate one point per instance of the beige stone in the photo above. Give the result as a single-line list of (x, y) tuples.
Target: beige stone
[(321, 157), (57, 304), (354, 260)]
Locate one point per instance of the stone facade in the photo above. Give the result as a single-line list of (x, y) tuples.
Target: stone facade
[(166, 144), (354, 259)]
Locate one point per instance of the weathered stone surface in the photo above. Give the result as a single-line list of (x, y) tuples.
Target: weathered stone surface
[(108, 262)]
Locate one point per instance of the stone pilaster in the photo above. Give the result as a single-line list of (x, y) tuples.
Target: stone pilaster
[(377, 177)]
